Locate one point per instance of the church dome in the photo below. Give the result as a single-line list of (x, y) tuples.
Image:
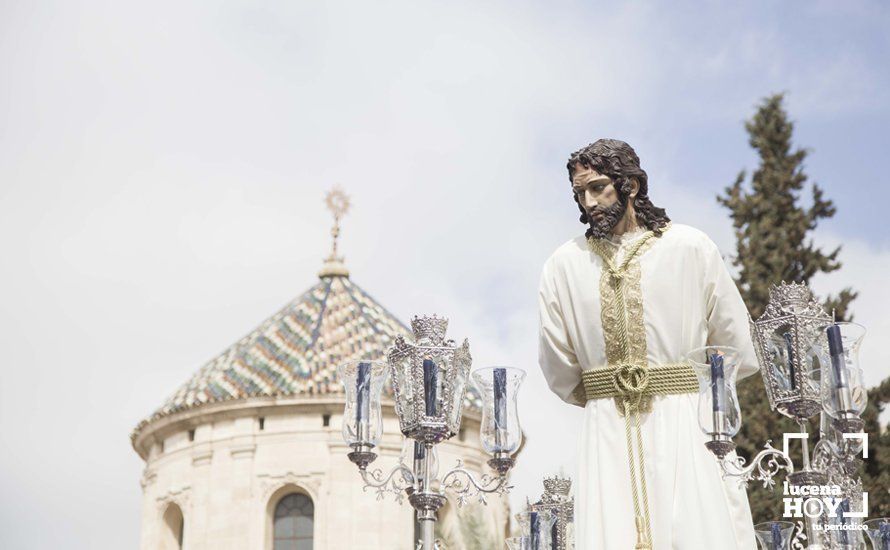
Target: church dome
[(296, 351)]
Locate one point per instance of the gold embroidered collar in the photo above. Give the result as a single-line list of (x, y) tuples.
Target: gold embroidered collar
[(621, 299)]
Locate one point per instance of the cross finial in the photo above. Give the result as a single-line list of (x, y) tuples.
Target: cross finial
[(338, 203)]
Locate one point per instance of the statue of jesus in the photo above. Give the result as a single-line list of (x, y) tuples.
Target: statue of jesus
[(620, 308)]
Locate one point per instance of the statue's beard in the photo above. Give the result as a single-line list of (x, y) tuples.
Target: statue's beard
[(610, 216)]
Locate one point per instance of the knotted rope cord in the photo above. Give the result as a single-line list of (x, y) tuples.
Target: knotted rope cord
[(631, 381), (666, 379)]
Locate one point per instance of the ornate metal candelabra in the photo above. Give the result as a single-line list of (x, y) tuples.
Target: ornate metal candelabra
[(429, 378), (810, 367)]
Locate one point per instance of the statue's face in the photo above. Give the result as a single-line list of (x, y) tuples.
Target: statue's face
[(598, 197)]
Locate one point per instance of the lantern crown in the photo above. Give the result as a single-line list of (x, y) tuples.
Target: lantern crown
[(557, 485), (429, 329), (791, 299)]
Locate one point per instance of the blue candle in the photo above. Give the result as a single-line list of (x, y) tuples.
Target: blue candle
[(419, 451), (500, 399), (789, 347), (363, 394), (536, 529), (430, 383), (718, 387), (843, 397), (836, 349), (776, 530)]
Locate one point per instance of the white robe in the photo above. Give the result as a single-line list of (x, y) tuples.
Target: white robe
[(689, 301)]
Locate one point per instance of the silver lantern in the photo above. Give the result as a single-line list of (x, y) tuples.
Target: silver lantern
[(429, 379), (787, 340)]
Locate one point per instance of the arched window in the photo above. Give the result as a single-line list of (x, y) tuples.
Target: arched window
[(293, 523), (173, 528)]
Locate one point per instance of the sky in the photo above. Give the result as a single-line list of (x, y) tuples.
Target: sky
[(163, 167)]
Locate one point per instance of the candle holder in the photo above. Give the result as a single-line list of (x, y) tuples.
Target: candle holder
[(500, 432), (774, 535), (843, 391), (719, 416), (362, 419), (429, 381)]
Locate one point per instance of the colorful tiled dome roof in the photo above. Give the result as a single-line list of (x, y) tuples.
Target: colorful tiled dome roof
[(297, 350)]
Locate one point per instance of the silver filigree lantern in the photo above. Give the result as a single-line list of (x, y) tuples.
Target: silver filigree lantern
[(787, 340), (429, 379), (557, 500)]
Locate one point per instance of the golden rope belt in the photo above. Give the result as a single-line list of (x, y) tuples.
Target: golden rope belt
[(632, 384)]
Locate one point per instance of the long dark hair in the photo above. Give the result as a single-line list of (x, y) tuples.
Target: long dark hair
[(617, 160)]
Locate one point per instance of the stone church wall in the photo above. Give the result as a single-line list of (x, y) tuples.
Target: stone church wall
[(226, 473)]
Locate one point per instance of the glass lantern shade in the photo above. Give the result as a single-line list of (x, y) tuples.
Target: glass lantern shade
[(429, 380), (790, 371), (878, 530), (784, 338), (537, 527), (500, 431), (774, 535), (362, 418), (843, 390), (458, 391), (718, 404)]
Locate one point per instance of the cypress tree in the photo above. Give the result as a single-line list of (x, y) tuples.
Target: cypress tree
[(772, 228), (774, 244)]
